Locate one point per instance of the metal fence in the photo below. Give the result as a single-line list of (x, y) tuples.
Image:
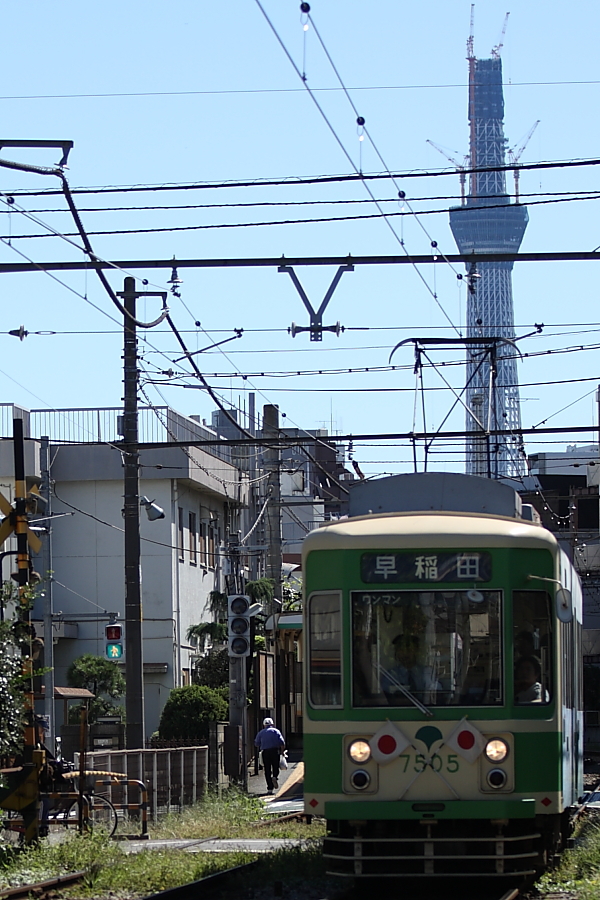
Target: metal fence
[(175, 777)]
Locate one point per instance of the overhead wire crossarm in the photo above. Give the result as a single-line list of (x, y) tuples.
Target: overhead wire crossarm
[(266, 262)]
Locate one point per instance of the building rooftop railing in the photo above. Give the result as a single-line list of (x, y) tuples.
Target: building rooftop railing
[(94, 425)]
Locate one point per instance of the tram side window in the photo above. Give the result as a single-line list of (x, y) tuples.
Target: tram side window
[(532, 647), (325, 641)]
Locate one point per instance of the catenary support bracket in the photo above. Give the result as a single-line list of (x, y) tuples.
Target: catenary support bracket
[(316, 327)]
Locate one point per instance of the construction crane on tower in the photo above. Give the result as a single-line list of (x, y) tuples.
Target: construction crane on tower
[(461, 166), (496, 50), (514, 155)]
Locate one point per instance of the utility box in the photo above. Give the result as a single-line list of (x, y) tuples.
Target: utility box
[(107, 733)]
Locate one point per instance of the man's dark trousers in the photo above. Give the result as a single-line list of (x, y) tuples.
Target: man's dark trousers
[(271, 764)]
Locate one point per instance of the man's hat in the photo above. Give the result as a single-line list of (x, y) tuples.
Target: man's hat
[(267, 722)]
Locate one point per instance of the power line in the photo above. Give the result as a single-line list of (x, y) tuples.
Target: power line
[(319, 90), (293, 180), (313, 221), (277, 203)]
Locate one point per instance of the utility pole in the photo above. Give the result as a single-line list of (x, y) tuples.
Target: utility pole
[(46, 493), (272, 464), (33, 758), (134, 664)]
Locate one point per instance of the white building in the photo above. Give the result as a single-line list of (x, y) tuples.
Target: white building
[(183, 559)]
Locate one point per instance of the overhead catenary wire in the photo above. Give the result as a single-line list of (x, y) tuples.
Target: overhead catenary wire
[(382, 214), (224, 409), (295, 180), (58, 173), (177, 207)]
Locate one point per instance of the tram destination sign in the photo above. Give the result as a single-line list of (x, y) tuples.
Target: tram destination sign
[(425, 566)]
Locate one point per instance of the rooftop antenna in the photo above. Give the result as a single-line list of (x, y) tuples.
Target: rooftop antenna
[(472, 61), (496, 50), (470, 42)]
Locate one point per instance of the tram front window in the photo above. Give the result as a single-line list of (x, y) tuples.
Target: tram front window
[(440, 648)]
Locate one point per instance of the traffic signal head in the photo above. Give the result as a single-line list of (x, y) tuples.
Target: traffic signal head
[(113, 634), (238, 615)]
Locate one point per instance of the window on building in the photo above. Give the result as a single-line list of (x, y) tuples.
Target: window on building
[(587, 513), (185, 677), (193, 539), (212, 538), (203, 553), (180, 534)]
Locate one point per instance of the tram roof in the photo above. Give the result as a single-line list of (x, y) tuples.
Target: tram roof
[(420, 529)]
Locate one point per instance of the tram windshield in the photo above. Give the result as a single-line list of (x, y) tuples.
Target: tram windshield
[(442, 648)]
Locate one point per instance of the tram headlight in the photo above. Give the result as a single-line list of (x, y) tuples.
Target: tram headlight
[(359, 751), (496, 750)]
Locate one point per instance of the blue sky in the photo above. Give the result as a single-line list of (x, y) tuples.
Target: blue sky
[(222, 102)]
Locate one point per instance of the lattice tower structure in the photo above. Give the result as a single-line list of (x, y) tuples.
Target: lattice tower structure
[(488, 222)]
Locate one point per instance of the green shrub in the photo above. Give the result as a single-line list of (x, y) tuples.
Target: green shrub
[(188, 711)]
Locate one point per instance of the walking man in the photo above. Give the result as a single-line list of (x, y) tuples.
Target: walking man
[(270, 741)]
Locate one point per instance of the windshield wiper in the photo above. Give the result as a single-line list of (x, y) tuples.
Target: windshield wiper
[(393, 680)]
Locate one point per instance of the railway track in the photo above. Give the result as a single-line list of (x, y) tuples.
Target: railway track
[(42, 888), (218, 881)]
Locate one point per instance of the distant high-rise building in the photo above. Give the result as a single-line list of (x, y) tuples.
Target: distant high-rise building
[(488, 222)]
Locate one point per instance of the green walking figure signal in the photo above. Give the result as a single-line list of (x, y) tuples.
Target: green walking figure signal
[(113, 634)]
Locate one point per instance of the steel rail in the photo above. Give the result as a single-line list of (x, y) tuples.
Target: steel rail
[(41, 887), (209, 883)]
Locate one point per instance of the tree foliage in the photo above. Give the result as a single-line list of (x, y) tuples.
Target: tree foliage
[(217, 604), (213, 670), (101, 677), (12, 707), (189, 710), (216, 631), (262, 590), (15, 645)]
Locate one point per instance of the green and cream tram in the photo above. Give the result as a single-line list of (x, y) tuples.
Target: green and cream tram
[(442, 722)]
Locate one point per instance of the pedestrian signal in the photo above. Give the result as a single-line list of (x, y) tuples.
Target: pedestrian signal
[(113, 634), (238, 615)]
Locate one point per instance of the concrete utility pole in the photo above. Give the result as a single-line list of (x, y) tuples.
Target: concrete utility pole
[(272, 463), (46, 492), (134, 665)]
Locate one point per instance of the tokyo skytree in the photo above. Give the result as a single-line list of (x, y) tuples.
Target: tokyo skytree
[(488, 222)]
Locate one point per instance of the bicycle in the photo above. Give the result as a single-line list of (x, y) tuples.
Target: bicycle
[(93, 812)]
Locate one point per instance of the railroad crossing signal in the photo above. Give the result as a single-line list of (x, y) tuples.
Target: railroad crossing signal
[(9, 522), (238, 615), (114, 640)]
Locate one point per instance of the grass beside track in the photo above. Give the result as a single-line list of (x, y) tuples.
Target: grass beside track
[(234, 815), (579, 870), (112, 873)]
